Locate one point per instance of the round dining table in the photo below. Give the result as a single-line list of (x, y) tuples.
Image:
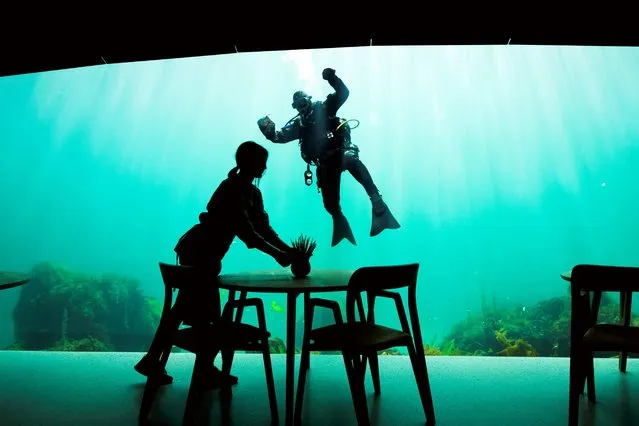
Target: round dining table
[(283, 282)]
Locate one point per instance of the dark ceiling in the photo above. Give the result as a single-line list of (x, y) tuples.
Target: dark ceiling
[(33, 46)]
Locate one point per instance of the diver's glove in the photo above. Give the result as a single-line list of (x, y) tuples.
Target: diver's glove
[(267, 127), (328, 74)]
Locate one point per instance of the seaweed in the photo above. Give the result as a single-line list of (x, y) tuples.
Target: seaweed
[(62, 309), (540, 330), (448, 349), (65, 310), (390, 351), (518, 347), (88, 344)]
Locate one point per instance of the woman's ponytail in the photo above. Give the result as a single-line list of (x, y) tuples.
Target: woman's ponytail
[(233, 172)]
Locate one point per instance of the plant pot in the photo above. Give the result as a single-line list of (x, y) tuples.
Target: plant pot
[(301, 267)]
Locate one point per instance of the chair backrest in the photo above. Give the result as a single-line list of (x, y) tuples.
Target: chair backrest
[(389, 277), (180, 277), (586, 277), (377, 279)]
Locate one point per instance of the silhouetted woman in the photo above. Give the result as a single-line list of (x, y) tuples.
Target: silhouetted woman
[(236, 209)]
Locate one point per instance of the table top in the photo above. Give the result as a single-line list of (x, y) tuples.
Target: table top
[(12, 279), (283, 281), (566, 275)]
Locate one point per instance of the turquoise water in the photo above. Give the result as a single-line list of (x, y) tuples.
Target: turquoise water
[(505, 165)]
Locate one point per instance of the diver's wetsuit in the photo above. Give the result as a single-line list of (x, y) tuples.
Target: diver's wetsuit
[(330, 149), (235, 209)]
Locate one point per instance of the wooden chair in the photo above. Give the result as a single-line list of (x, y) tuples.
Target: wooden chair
[(223, 335), (587, 336), (361, 340)]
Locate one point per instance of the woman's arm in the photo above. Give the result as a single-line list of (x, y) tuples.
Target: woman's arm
[(263, 226)]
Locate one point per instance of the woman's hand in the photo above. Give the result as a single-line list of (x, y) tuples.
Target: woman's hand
[(284, 259)]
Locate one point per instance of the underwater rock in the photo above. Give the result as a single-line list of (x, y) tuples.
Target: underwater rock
[(64, 305)]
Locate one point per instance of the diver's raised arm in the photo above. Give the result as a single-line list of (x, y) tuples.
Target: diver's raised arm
[(335, 100), (286, 134)]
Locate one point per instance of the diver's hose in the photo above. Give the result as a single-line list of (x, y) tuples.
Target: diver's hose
[(348, 121)]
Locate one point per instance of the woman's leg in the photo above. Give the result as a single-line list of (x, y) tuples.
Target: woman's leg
[(188, 303)]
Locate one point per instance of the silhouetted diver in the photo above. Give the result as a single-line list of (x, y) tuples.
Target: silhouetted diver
[(325, 141)]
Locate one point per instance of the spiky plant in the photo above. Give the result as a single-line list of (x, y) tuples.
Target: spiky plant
[(304, 245)]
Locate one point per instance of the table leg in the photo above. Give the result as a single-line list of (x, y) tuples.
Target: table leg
[(291, 308), (626, 314), (308, 325)]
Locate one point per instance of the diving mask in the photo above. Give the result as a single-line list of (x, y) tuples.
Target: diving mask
[(301, 101)]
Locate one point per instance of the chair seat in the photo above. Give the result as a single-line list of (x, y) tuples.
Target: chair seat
[(611, 337), (357, 336), (239, 336)]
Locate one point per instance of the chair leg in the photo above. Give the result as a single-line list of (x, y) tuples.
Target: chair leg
[(227, 360), (581, 318), (195, 389), (587, 375), (626, 313), (575, 388), (226, 393), (301, 383), (148, 397), (584, 375), (420, 371), (355, 371), (589, 364), (226, 397), (623, 361), (359, 368), (372, 357), (270, 383)]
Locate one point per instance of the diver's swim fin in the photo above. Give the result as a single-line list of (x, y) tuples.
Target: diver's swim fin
[(382, 218), (341, 230)]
